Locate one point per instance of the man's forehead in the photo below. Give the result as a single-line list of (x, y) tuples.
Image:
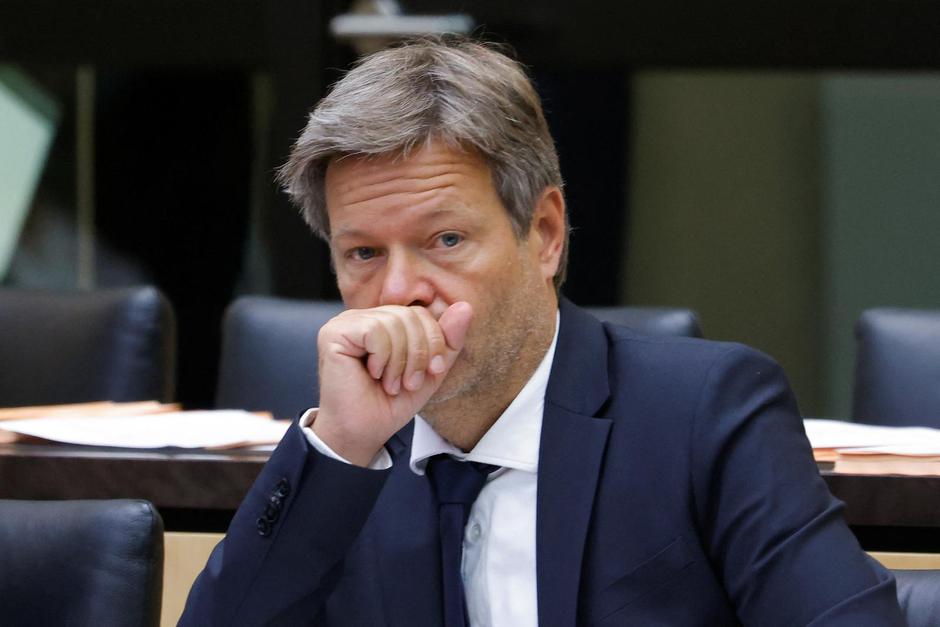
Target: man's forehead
[(431, 180), (429, 153)]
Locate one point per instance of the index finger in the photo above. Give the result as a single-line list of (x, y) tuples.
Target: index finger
[(437, 344)]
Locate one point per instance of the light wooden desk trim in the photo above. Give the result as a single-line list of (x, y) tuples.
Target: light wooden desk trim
[(184, 556), (907, 561)]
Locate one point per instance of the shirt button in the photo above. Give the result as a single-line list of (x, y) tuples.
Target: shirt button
[(475, 532)]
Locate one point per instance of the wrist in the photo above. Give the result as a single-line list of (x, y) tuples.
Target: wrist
[(351, 447)]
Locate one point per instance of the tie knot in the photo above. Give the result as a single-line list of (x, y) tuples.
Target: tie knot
[(455, 481)]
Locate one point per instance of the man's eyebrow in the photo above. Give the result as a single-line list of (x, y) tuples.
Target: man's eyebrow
[(346, 232), (455, 208), (452, 208)]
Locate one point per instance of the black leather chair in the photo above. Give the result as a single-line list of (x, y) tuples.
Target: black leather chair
[(80, 563), (919, 596), (652, 320), (69, 347), (269, 354), (897, 368)]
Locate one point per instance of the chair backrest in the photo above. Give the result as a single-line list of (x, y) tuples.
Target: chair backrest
[(269, 354), (69, 347), (919, 596), (652, 320), (80, 563), (897, 368)]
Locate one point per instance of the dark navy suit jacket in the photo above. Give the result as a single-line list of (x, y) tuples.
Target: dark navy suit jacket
[(675, 487)]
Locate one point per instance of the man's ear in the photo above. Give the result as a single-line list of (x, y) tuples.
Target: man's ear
[(547, 233)]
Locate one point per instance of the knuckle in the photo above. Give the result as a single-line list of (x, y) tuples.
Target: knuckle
[(436, 339), (420, 354), (327, 332)]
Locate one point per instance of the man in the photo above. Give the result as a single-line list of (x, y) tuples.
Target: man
[(639, 481)]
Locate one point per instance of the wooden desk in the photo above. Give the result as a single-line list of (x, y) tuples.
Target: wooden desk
[(200, 490), (194, 490), (890, 513)]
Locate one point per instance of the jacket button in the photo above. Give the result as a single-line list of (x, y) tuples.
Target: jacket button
[(282, 489), (264, 527), (271, 512)]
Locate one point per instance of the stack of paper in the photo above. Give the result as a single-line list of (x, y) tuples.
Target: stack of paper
[(869, 449), (96, 408), (147, 426)]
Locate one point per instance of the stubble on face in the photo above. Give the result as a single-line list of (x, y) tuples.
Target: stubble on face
[(506, 342)]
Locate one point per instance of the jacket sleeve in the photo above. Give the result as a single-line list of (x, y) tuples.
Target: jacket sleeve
[(284, 549), (777, 536)]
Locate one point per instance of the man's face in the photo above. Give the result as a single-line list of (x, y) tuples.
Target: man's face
[(430, 230)]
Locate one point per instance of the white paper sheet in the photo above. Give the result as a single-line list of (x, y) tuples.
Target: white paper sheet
[(184, 429), (836, 434)]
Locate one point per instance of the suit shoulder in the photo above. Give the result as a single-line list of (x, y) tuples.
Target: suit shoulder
[(691, 354), (668, 379)]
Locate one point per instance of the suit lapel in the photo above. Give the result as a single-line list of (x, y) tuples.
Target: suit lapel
[(407, 544), (570, 454)]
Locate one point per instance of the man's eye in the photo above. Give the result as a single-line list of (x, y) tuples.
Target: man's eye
[(363, 253), (450, 239)]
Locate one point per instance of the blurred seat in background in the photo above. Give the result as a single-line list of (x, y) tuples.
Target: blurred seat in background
[(80, 563), (269, 354), (897, 368), (70, 347), (652, 320)]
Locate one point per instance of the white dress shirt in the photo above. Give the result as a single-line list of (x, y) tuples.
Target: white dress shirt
[(498, 565)]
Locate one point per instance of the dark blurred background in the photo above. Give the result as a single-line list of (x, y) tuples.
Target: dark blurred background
[(771, 165)]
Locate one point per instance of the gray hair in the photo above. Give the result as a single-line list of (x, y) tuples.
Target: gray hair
[(452, 89)]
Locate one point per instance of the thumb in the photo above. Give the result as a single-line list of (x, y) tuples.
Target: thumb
[(454, 323)]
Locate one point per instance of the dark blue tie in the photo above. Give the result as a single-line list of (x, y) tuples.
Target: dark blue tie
[(456, 486)]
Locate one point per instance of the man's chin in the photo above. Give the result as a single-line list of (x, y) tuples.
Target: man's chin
[(444, 394), (455, 385)]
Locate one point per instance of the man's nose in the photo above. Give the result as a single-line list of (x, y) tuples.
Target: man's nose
[(405, 281)]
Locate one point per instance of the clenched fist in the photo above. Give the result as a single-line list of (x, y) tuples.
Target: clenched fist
[(378, 368)]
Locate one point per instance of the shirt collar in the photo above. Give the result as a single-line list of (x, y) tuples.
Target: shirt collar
[(512, 441)]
